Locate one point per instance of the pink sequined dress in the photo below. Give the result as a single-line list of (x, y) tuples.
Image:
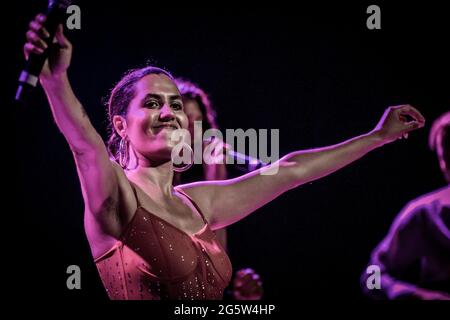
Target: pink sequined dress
[(155, 260)]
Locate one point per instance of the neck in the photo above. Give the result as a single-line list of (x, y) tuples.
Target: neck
[(154, 178)]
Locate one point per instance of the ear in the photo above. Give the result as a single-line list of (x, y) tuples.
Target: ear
[(120, 125)]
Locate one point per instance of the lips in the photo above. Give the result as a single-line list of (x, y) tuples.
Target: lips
[(166, 126)]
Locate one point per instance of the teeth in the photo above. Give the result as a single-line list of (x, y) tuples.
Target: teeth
[(173, 127)]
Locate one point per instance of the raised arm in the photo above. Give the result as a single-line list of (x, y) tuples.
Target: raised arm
[(97, 174), (225, 202)]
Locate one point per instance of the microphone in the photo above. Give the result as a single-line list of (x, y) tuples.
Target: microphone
[(240, 161), (29, 76), (245, 163)]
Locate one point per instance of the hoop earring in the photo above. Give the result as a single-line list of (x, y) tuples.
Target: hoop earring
[(181, 168), (124, 154)]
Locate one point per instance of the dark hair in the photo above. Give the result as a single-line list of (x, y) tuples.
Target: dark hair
[(439, 139), (120, 98), (189, 90)]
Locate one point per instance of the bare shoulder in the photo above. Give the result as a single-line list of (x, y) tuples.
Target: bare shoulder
[(439, 197), (199, 191)]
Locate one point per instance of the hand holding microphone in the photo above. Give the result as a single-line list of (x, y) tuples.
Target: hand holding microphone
[(47, 50)]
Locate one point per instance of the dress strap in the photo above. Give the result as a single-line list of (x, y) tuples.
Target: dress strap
[(138, 202), (192, 201)]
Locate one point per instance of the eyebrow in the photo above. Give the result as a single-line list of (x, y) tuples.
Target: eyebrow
[(159, 96)]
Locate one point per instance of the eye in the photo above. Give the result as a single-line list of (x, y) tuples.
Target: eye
[(153, 104), (177, 106)]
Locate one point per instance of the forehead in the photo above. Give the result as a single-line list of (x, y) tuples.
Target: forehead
[(157, 84)]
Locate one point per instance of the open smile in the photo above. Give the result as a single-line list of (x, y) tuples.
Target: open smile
[(166, 126)]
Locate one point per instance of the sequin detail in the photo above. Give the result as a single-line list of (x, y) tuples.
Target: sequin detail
[(155, 260)]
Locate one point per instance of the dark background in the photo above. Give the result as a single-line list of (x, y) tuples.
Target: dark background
[(315, 72)]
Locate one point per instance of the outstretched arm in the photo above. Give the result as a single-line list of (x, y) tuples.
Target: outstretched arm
[(97, 174), (225, 202)]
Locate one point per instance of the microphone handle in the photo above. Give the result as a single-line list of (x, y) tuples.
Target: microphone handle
[(246, 163)]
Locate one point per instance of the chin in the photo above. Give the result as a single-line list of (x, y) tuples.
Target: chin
[(159, 149)]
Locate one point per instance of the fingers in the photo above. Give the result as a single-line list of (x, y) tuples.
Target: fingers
[(406, 112), (41, 18), (245, 272), (247, 277), (417, 113), (250, 277), (249, 288), (411, 111), (34, 39), (30, 48), (412, 126), (37, 26), (247, 285), (35, 36)]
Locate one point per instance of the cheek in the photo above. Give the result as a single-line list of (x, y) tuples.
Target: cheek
[(135, 117), (145, 122)]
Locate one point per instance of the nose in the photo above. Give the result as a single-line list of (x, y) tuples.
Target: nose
[(166, 113)]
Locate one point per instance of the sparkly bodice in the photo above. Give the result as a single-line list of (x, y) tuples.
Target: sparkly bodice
[(155, 260)]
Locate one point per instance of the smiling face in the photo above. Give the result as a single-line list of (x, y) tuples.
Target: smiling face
[(153, 114)]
